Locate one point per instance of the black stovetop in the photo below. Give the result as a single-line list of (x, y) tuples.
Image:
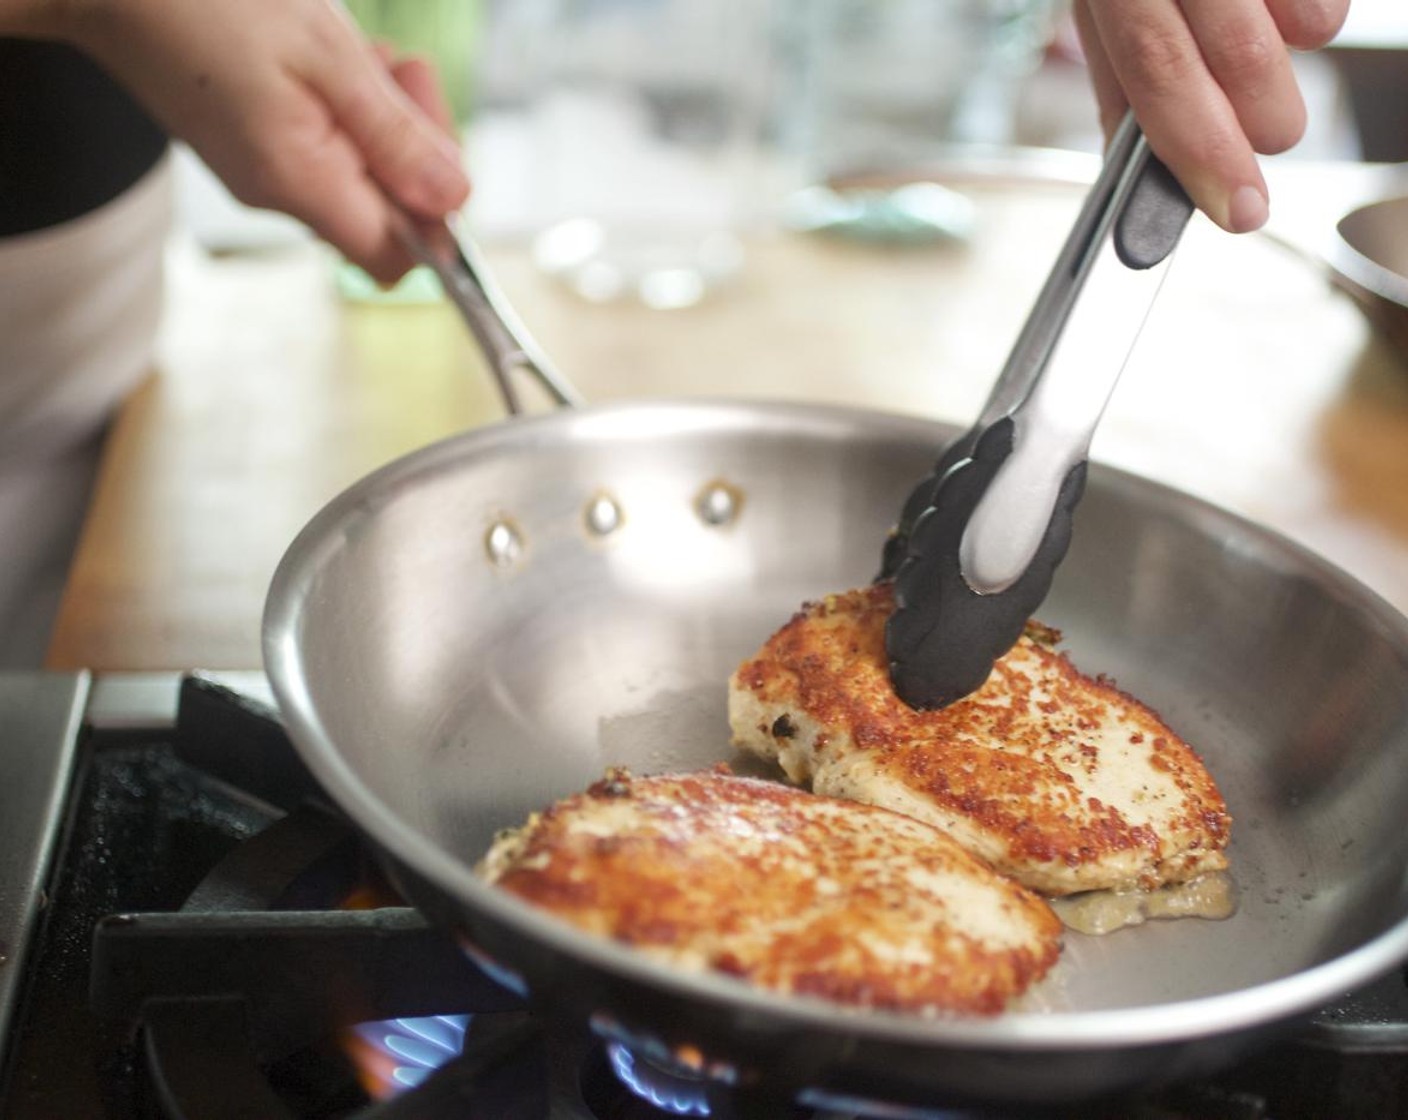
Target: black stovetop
[(218, 943)]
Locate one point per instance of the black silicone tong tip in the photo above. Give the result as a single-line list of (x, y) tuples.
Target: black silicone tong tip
[(920, 499), (943, 638)]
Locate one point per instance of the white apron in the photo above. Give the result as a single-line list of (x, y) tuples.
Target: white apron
[(79, 308)]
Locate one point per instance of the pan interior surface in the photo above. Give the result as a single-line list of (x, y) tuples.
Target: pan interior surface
[(487, 625)]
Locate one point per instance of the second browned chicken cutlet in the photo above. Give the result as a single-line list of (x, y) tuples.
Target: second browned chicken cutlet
[(789, 891), (1055, 778)]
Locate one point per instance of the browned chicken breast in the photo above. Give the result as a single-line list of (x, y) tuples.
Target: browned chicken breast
[(1055, 778), (792, 892)]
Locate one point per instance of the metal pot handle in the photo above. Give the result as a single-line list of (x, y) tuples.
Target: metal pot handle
[(500, 334)]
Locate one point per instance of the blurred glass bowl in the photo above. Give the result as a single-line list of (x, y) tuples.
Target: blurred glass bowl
[(1370, 260)]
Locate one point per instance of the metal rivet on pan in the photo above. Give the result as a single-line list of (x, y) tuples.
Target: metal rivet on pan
[(503, 543), (718, 503), (603, 515)]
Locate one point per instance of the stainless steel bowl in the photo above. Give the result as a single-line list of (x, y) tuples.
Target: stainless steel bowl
[(1370, 259)]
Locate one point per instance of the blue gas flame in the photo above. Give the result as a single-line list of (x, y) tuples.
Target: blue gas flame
[(673, 1091), (417, 1047)]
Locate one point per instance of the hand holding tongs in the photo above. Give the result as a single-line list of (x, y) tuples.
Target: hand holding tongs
[(979, 539)]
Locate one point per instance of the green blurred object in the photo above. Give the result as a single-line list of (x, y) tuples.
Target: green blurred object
[(914, 214), (444, 31), (420, 285)]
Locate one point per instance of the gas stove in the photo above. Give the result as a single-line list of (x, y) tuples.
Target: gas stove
[(188, 929)]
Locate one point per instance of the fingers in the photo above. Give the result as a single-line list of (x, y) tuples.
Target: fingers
[(1306, 25), (393, 123), (294, 157), (351, 213), (1190, 122), (1212, 84), (407, 152), (386, 259), (1109, 96), (1246, 56), (418, 79), (360, 222)]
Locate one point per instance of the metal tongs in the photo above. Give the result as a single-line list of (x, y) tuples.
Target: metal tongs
[(980, 537)]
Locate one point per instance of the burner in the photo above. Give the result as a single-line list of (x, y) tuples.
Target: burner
[(672, 1090), (619, 1084), (399, 1054), (227, 982)]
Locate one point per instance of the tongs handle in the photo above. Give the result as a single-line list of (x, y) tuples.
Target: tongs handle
[(1137, 197), (1154, 216), (505, 342), (979, 538), (1069, 386)]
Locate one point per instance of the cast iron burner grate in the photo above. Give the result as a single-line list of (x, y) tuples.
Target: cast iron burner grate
[(236, 998)]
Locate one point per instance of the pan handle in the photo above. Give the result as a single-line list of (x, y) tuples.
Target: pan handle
[(500, 334)]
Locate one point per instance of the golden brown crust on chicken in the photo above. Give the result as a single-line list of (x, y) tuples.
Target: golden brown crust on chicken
[(792, 892), (1055, 778)]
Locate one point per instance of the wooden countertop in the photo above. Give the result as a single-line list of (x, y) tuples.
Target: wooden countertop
[(1255, 385)]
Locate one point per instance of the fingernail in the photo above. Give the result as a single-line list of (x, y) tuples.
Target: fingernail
[(1248, 210)]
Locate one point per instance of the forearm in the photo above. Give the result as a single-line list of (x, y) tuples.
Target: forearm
[(37, 19)]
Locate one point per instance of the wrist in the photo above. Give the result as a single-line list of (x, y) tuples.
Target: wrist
[(88, 25)]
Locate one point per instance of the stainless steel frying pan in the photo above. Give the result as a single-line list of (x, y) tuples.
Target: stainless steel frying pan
[(486, 624)]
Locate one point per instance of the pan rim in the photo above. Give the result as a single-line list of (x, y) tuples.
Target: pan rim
[(1110, 1029)]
